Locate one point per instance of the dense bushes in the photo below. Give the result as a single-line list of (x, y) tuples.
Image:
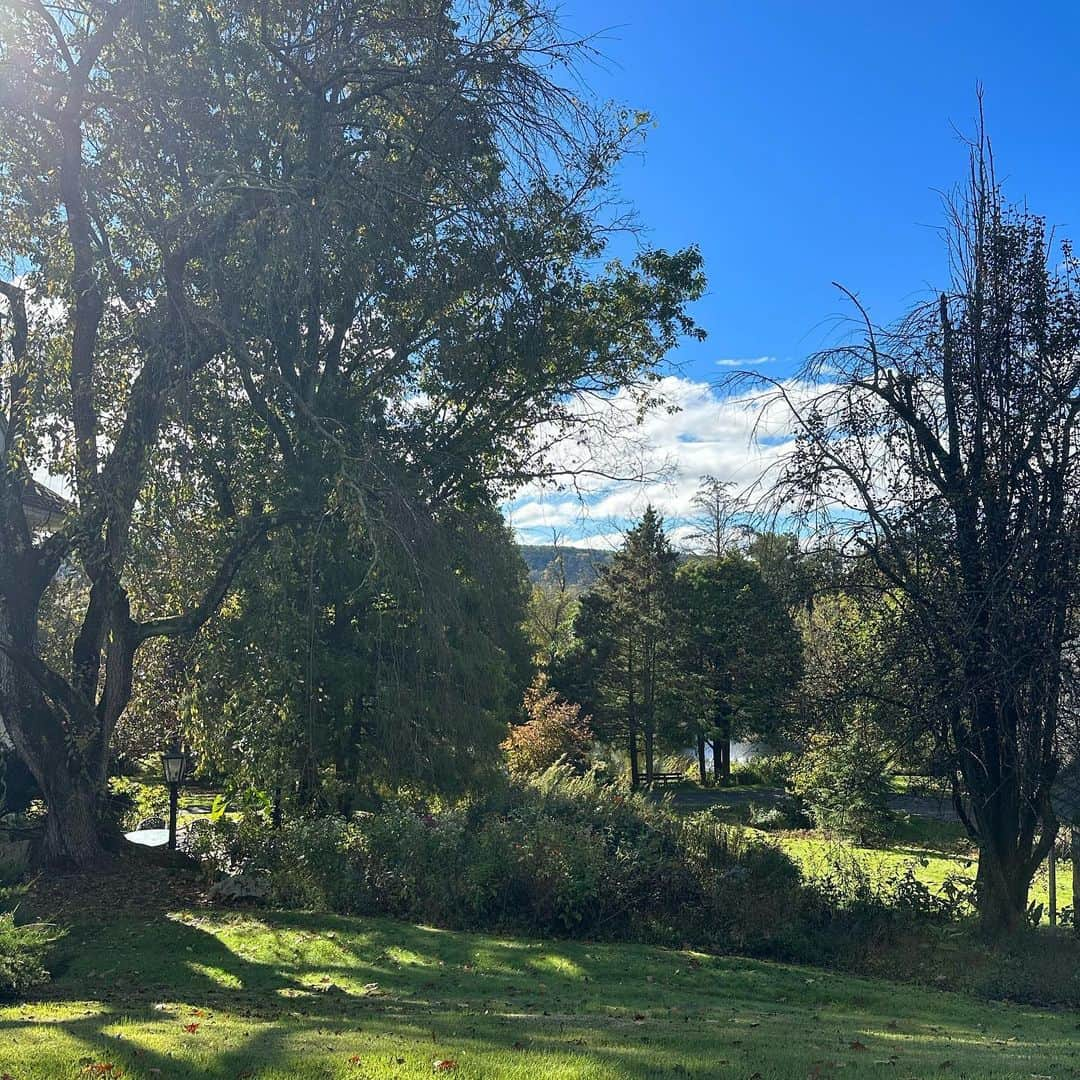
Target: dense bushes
[(563, 854), (567, 855), (773, 770), (22, 954)]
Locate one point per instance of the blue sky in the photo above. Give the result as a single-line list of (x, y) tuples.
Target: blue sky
[(800, 143)]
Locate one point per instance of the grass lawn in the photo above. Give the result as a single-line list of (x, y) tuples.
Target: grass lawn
[(934, 851), (195, 993)]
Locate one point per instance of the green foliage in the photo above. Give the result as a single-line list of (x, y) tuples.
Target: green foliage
[(22, 954), (739, 653), (300, 343), (136, 801), (785, 814), (334, 671), (561, 854), (621, 668), (554, 732), (549, 623), (842, 779), (772, 770)]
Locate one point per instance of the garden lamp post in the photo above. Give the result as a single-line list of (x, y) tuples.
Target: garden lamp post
[(174, 763)]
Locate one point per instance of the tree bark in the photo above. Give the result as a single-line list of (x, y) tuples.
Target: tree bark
[(722, 747), (1074, 850), (72, 794), (703, 774), (1002, 889), (73, 834)]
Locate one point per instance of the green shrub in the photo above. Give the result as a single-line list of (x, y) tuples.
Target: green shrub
[(567, 855), (772, 771), (135, 802), (562, 854), (842, 780), (784, 814), (22, 954)]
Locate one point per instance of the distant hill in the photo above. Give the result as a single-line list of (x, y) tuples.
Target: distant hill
[(581, 564)]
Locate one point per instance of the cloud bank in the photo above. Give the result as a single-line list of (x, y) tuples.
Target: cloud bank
[(704, 431)]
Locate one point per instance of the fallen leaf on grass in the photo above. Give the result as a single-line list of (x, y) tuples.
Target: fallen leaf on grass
[(191, 1028), (444, 1064), (354, 1060)]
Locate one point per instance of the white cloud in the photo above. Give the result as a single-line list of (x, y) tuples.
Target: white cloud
[(707, 432), (745, 363)]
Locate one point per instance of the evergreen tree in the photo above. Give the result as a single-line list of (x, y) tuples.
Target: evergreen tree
[(625, 632), (739, 655)]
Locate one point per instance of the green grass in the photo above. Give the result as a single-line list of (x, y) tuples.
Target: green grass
[(304, 996), (934, 850)]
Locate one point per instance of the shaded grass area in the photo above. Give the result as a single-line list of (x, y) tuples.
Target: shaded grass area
[(204, 994)]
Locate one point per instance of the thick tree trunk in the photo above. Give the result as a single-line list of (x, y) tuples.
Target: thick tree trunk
[(1002, 887), (73, 798), (72, 794), (632, 749), (703, 774), (73, 828), (650, 752), (717, 765)]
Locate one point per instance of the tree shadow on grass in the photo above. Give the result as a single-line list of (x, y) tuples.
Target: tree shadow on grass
[(293, 994)]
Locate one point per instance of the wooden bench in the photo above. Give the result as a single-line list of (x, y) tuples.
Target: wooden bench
[(663, 778)]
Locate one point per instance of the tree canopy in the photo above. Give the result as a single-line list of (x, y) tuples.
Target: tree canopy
[(273, 266)]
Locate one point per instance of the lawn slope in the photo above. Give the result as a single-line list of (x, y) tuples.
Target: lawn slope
[(200, 994)]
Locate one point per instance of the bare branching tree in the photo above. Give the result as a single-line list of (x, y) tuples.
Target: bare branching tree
[(945, 449)]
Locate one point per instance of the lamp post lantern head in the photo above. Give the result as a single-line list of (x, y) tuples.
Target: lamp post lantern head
[(174, 765)]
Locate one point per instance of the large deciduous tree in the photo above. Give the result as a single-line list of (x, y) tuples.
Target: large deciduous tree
[(273, 264), (945, 448)]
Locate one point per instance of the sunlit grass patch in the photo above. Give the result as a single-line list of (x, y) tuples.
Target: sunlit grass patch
[(205, 995)]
